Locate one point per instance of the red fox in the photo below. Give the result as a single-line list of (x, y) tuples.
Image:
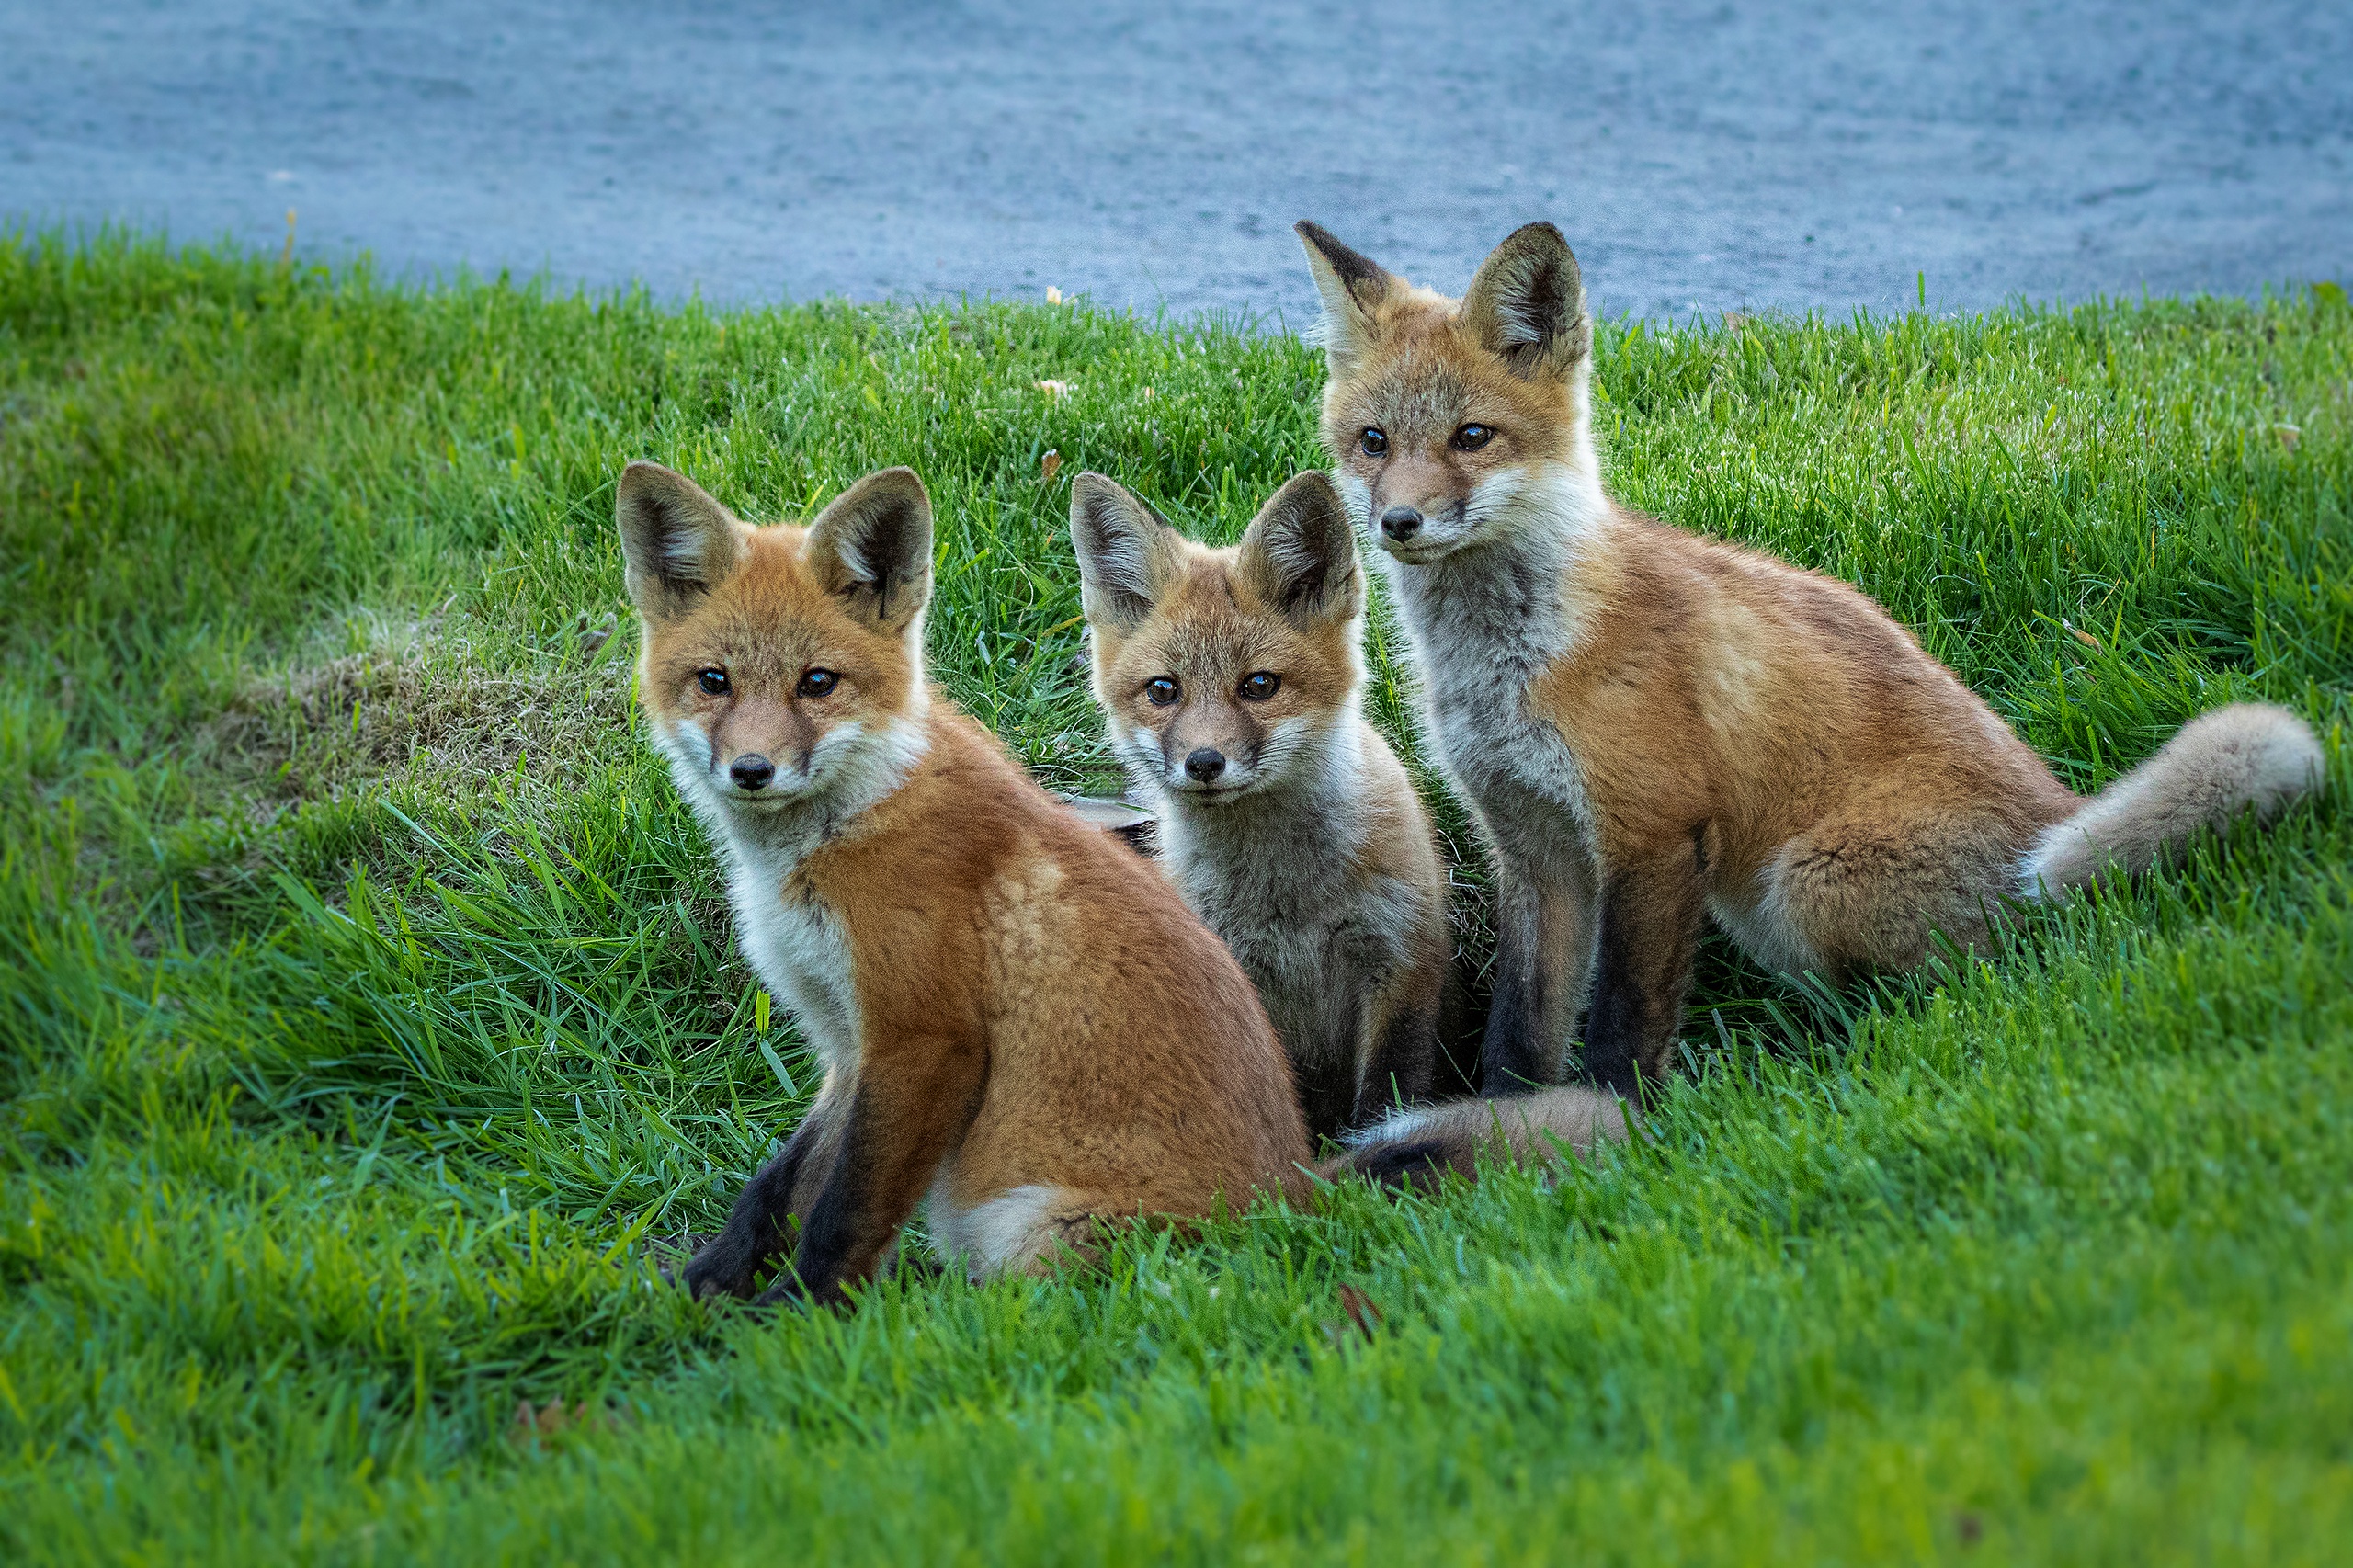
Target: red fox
[(1018, 1017), (1652, 728), (1230, 682)]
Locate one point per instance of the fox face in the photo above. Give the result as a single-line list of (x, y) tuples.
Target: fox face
[(782, 664), (1452, 423), (1219, 670)]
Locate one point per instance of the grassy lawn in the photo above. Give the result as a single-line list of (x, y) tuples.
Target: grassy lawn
[(368, 1005)]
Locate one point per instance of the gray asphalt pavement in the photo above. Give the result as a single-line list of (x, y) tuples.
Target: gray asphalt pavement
[(1698, 156)]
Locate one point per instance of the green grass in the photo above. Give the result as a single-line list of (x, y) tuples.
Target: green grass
[(368, 1001)]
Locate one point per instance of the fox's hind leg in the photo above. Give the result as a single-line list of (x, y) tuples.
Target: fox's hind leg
[(1869, 889), (1032, 1228)]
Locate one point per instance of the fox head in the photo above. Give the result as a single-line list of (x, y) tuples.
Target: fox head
[(1219, 670), (779, 665), (1454, 423)]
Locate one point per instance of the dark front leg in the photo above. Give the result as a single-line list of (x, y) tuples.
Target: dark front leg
[(1324, 1058), (1399, 1058), (758, 1227), (1652, 912), (1518, 1054), (910, 1110), (1543, 947)]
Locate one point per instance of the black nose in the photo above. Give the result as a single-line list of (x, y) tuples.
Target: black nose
[(752, 772), (1401, 523), (1205, 764)]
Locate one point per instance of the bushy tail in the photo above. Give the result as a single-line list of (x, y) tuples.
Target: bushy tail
[(2220, 764), (1419, 1146)]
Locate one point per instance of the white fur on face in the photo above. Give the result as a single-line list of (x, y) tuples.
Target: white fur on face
[(1554, 496)]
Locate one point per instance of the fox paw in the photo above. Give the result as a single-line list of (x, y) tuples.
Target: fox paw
[(724, 1268)]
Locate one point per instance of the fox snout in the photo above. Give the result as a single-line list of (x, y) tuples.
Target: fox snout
[(1212, 752), (761, 749), (1411, 508)]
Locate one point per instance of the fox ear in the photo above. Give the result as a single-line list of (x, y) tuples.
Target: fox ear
[(1352, 287), (1300, 555), (1528, 304), (678, 543), (1122, 547), (872, 547)]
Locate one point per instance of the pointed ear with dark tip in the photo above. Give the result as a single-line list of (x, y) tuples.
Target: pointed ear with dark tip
[(1300, 555), (678, 543), (1123, 550), (872, 547), (1352, 287), (1528, 304)]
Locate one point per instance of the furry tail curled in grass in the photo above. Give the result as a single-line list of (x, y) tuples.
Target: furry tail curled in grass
[(2218, 765), (1418, 1146)]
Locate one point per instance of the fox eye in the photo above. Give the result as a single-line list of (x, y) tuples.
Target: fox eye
[(714, 682), (816, 683), (1373, 441), (1260, 685), (1470, 438), (1161, 690)]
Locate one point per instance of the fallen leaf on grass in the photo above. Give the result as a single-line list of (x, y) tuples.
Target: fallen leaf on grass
[(1049, 465), (554, 1417), (2080, 635), (1362, 1314), (2289, 435)]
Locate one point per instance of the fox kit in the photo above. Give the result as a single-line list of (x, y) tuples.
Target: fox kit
[(1230, 682), (1017, 1015), (1652, 728)]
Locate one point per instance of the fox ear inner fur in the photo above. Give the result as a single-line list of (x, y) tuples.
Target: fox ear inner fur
[(1122, 547), (1300, 555), (1352, 287), (1528, 304), (872, 547), (678, 542)]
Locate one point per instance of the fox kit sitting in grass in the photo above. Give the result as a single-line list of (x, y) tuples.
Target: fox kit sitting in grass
[(1230, 681), (1016, 1014), (1653, 727)]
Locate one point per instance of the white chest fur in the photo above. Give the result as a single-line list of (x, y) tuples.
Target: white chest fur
[(797, 947), (1485, 624), (1278, 876)]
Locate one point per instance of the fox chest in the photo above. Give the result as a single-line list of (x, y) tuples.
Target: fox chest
[(1513, 764), (1308, 950), (1486, 636), (797, 945)]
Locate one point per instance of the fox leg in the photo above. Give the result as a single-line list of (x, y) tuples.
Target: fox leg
[(1399, 1048), (1870, 891), (756, 1227), (1543, 949), (910, 1108), (1652, 913), (1328, 1074)]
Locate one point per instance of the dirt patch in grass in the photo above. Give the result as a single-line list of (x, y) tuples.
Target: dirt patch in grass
[(425, 712)]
